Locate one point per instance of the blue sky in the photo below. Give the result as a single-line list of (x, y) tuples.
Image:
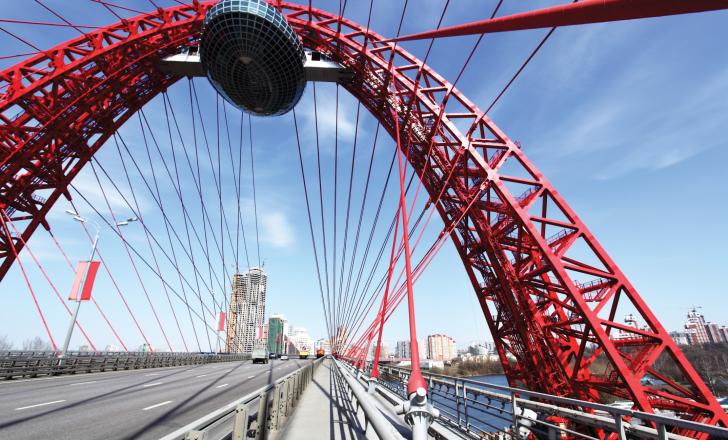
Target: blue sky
[(626, 120)]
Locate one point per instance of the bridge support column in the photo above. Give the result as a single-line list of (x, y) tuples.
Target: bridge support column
[(419, 414), (372, 385)]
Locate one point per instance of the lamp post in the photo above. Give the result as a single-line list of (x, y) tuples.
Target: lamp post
[(72, 324)]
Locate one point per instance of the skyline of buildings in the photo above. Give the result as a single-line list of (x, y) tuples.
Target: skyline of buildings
[(247, 311), (698, 331)]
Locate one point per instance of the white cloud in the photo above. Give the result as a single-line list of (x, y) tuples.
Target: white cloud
[(326, 116), (276, 230)]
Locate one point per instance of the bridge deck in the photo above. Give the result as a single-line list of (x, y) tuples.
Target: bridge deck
[(326, 411)]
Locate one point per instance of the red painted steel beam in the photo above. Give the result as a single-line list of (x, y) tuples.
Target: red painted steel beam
[(585, 12)]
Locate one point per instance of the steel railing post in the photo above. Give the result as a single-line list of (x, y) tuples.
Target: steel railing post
[(465, 406), (262, 420), (240, 425), (661, 431), (619, 427), (514, 410), (276, 408)]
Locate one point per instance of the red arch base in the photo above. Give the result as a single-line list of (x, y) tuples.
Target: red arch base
[(548, 290)]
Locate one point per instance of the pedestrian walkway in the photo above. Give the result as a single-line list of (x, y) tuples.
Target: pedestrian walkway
[(325, 411)]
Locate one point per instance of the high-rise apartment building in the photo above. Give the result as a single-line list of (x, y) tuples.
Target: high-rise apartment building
[(695, 328), (383, 351), (247, 311), (715, 335), (441, 348), (277, 334), (403, 349)]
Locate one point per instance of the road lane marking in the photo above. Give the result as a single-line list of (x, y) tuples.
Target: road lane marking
[(39, 404), (152, 374), (250, 377), (222, 386), (81, 383), (157, 405), (201, 375), (151, 384)]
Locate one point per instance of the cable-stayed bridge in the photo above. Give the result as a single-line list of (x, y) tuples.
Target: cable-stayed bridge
[(117, 125)]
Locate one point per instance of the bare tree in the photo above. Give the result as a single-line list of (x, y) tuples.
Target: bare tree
[(37, 344), (5, 344)]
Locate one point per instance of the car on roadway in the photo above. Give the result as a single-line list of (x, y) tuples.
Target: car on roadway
[(284, 357), (272, 356)]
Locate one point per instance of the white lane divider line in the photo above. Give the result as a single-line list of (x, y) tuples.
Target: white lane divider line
[(222, 386), (81, 383), (151, 384), (39, 404), (201, 375), (250, 377), (151, 374), (157, 405)]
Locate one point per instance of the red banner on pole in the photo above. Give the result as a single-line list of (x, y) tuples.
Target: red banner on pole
[(88, 269), (221, 322)]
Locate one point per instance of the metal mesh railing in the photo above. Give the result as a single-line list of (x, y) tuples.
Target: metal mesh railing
[(15, 364)]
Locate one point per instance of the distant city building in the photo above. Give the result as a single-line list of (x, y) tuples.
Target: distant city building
[(247, 311), (476, 349), (146, 348), (301, 340), (383, 352), (402, 350), (695, 328), (112, 347), (84, 349), (680, 338), (441, 348), (277, 329), (630, 321), (715, 335)]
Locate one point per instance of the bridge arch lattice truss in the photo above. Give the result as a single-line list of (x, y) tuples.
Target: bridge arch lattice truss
[(548, 290)]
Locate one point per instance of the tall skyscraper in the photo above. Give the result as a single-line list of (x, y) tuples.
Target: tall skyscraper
[(247, 311)]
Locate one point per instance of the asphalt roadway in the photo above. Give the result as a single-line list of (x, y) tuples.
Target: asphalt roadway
[(138, 404)]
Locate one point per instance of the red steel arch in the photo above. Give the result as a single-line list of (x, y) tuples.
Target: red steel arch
[(548, 290)]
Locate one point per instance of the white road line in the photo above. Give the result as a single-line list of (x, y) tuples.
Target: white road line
[(157, 405), (81, 383), (222, 386), (250, 377), (40, 404), (152, 374), (151, 384), (201, 375)]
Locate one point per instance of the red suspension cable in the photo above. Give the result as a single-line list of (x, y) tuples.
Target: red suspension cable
[(27, 280)]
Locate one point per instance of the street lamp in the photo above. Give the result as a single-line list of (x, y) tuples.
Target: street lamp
[(80, 219), (74, 318)]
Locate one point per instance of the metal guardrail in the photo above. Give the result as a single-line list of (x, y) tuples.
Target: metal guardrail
[(255, 415), (383, 427), (478, 409), (14, 364)]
